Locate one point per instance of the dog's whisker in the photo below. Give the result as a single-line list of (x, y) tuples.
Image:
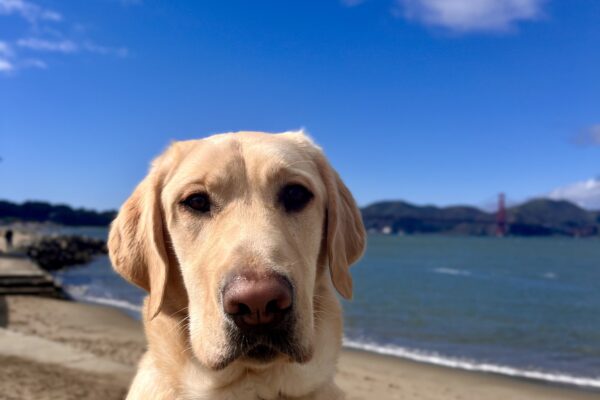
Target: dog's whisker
[(180, 310), (180, 325)]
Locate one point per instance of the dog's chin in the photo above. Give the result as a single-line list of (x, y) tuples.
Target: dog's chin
[(258, 349), (259, 355)]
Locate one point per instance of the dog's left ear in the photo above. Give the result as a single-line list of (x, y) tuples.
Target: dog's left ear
[(345, 231), (136, 243)]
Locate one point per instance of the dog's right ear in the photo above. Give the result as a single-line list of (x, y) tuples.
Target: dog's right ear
[(136, 242)]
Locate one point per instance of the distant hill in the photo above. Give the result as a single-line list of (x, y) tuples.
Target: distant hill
[(539, 217), (39, 211)]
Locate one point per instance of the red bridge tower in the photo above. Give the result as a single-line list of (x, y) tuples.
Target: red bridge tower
[(501, 226)]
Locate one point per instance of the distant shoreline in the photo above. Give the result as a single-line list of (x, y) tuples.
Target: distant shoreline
[(537, 217)]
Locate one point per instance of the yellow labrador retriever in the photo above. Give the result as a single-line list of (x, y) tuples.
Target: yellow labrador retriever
[(240, 240)]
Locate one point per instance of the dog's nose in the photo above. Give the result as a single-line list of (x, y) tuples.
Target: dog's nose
[(257, 301)]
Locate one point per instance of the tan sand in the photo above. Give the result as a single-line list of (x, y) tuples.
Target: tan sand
[(59, 350), (22, 379), (102, 331)]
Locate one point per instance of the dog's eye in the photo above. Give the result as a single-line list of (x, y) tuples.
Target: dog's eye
[(294, 197), (198, 201)]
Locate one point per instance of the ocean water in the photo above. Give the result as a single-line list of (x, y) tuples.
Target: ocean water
[(527, 307)]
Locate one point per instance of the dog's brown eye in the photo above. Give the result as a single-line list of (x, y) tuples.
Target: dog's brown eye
[(294, 197), (198, 201)]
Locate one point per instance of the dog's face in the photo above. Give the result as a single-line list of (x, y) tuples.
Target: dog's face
[(250, 223)]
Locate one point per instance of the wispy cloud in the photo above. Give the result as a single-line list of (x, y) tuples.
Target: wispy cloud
[(586, 193), (5, 65), (5, 49), (68, 46), (60, 46), (466, 16), (471, 15), (44, 33), (9, 64), (6, 53), (29, 11), (588, 137)]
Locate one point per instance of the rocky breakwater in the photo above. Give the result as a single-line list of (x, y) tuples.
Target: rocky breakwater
[(56, 252)]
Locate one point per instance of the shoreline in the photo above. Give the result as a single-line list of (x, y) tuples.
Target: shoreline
[(362, 371), (422, 357), (555, 379), (81, 345), (351, 352)]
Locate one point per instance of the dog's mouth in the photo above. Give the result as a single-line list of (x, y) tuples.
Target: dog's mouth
[(265, 347), (262, 353), (262, 348)]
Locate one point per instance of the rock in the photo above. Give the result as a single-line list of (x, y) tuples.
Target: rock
[(53, 253)]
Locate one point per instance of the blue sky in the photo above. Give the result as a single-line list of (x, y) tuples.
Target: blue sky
[(431, 101)]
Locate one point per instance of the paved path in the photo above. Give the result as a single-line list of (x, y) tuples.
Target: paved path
[(19, 275), (14, 265)]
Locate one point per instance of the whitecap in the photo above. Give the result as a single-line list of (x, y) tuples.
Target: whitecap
[(471, 365), (110, 302), (80, 293), (452, 271)]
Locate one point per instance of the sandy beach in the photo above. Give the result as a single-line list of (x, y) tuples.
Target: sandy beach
[(56, 349)]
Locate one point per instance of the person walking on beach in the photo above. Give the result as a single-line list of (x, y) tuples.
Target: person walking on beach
[(8, 237)]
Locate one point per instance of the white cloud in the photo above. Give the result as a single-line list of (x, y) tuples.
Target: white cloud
[(68, 46), (5, 49), (60, 46), (6, 53), (585, 194), (6, 66), (45, 32), (31, 12), (471, 15), (589, 137)]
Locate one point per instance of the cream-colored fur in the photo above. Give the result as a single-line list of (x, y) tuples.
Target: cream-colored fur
[(182, 258)]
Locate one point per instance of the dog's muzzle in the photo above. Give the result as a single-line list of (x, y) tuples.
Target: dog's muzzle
[(260, 318)]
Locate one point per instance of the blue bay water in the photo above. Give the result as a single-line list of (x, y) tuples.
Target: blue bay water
[(527, 307)]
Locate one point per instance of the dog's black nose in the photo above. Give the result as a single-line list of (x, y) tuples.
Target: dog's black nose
[(257, 302)]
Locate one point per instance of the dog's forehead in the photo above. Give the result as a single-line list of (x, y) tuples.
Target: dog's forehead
[(252, 154)]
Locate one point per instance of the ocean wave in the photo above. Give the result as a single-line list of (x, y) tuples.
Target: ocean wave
[(80, 293), (110, 302), (452, 271), (471, 365)]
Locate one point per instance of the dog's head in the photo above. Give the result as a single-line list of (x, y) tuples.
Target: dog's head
[(241, 229)]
